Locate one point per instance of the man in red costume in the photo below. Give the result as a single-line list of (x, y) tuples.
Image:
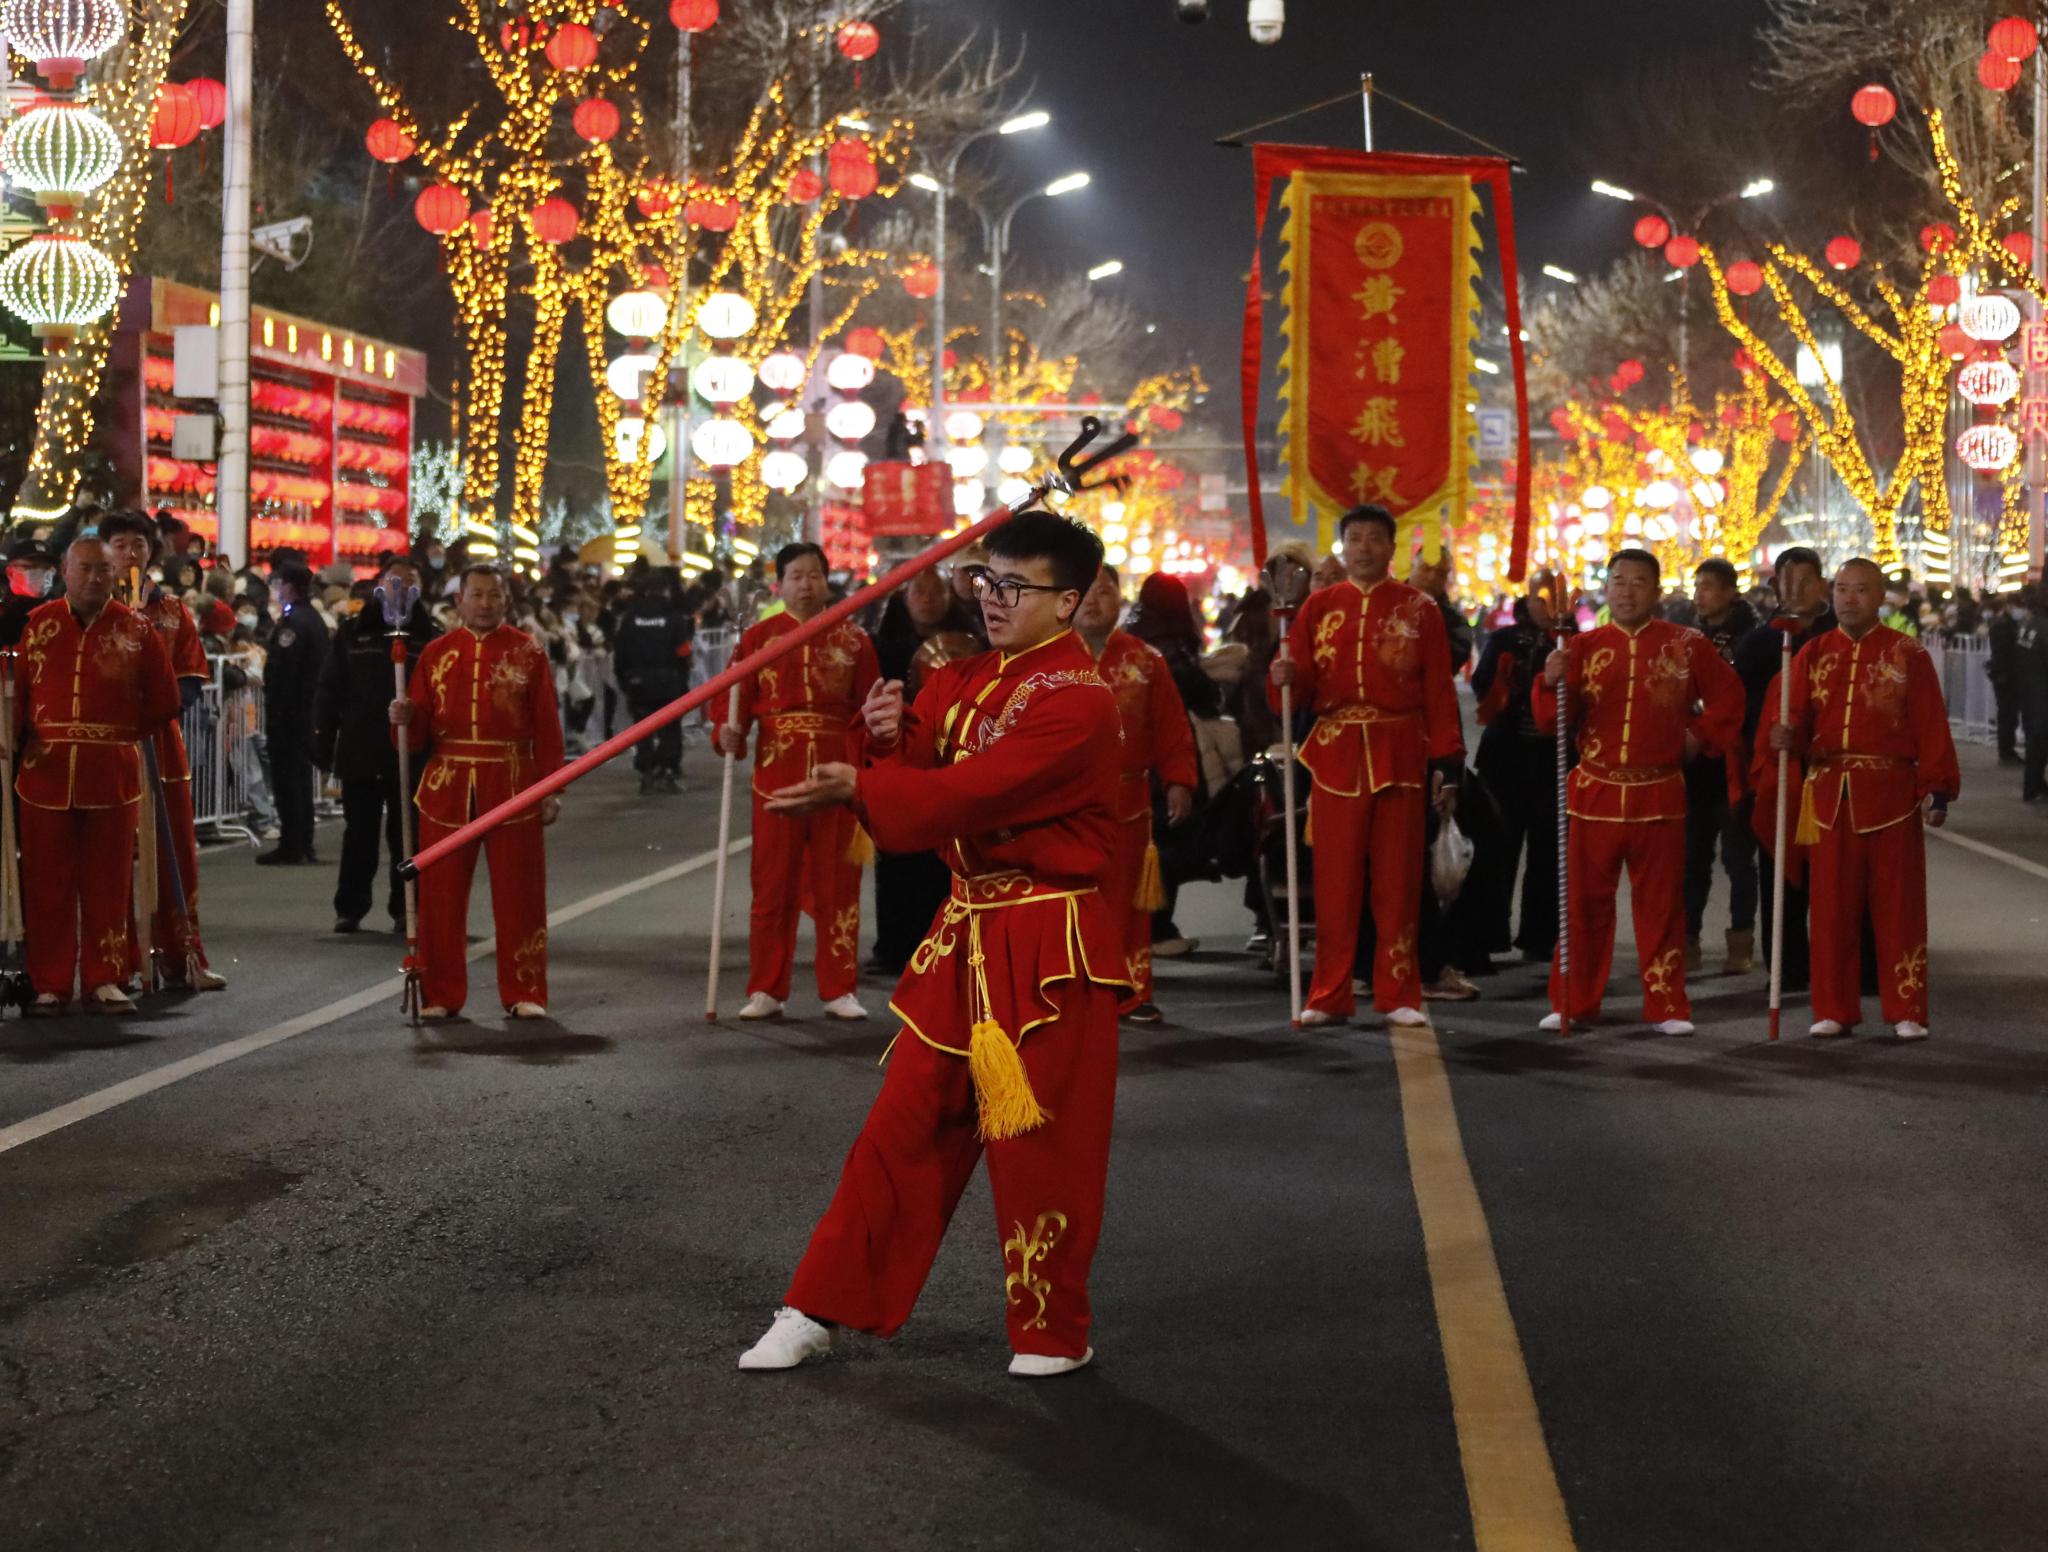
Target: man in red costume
[(1633, 684), (1869, 724), (805, 704), (481, 701), (1156, 738), (133, 543), (1370, 658), (1008, 763), (93, 680)]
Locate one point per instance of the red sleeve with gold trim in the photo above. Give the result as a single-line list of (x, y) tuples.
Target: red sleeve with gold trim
[(1927, 713)]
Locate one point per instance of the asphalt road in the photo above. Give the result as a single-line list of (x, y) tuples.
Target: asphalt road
[(484, 1287)]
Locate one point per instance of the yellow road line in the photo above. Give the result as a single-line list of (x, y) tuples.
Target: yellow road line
[(1509, 1480)]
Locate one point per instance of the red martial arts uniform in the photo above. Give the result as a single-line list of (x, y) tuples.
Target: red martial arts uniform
[(1870, 721), (87, 697), (1008, 765), (1156, 738), (485, 708), (805, 703), (1375, 667), (1631, 699), (176, 932)]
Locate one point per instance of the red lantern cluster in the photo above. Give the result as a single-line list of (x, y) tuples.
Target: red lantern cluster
[(805, 186), (595, 119), (1682, 252), (858, 40), (2014, 38), (1843, 253), (1944, 291), (850, 168), (694, 15), (1745, 277), (1937, 237), (1873, 106), (866, 342), (440, 208), (572, 48), (1628, 373), (1164, 417), (1785, 426), (175, 122), (212, 98), (1997, 73), (481, 225), (555, 221), (1954, 343), (387, 142), (921, 280)]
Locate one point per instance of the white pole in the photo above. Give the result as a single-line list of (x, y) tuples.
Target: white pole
[(410, 998), (1293, 862), (679, 413), (732, 715), (232, 501), (1784, 808)]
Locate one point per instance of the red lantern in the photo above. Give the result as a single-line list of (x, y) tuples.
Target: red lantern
[(655, 277), (1744, 361), (2019, 245), (1944, 291), (518, 36), (1844, 253), (2014, 38), (1873, 106), (212, 98), (1954, 343), (850, 168), (595, 119), (694, 15), (175, 122), (387, 142), (1997, 73), (1786, 426), (1937, 237), (1614, 427), (1745, 278), (1682, 252), (704, 209), (805, 186), (1653, 231), (921, 280), (572, 48), (555, 220), (858, 40), (1164, 417), (441, 208), (1629, 372), (655, 199), (866, 342), (481, 226)]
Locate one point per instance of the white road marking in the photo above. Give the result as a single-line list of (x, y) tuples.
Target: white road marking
[(97, 1103), (1982, 850)]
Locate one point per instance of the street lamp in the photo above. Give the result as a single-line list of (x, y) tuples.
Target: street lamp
[(1755, 188), (996, 234), (1106, 268), (1555, 272)]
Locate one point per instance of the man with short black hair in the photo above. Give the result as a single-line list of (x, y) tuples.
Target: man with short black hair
[(296, 653), (1372, 661), (1712, 821), (1007, 762), (651, 640)]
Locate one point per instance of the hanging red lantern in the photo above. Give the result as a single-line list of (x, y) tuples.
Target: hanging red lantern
[(850, 168), (1944, 291), (175, 122), (702, 208), (440, 208), (1682, 252), (555, 221), (387, 142), (2020, 245), (481, 226), (1745, 277), (1630, 372), (595, 119), (655, 199), (1844, 253), (1785, 425), (1164, 416), (2014, 38), (1874, 106), (655, 277), (1614, 427), (858, 40), (805, 186), (1954, 343), (921, 280), (1653, 231), (572, 48), (1997, 73), (1743, 360), (694, 15), (866, 342), (212, 98), (1937, 237)]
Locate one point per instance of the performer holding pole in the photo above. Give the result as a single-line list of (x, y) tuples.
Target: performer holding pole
[(1287, 581), (398, 602), (732, 764), (1561, 614)]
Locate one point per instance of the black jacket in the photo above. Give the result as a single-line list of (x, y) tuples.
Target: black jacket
[(650, 638), (291, 670), (1756, 665), (352, 703)]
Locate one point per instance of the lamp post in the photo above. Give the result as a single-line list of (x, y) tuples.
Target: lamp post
[(995, 233), (1756, 188)]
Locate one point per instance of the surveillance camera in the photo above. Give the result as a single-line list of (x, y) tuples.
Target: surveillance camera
[(1191, 10), (1266, 18), (288, 242)]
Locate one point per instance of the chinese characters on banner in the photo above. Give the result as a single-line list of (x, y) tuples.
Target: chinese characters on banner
[(2033, 416)]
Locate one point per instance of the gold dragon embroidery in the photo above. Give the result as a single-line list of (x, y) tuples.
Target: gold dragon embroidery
[(1658, 973), (1327, 629), (1910, 973), (1031, 1249)]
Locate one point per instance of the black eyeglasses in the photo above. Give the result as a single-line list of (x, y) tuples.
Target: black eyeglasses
[(1005, 592)]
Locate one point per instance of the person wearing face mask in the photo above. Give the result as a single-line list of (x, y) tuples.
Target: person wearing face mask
[(805, 705), (31, 570), (291, 678)]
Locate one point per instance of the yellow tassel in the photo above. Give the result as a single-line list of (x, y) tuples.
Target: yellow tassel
[(860, 851), (1002, 1089), (1151, 894), (1808, 833), (1308, 828)]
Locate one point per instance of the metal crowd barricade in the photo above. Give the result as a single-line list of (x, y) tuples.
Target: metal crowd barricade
[(1960, 662), (710, 650), (221, 729)]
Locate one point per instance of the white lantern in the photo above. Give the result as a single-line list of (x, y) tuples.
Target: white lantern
[(969, 496), (847, 470), (1988, 382), (1593, 522), (1708, 493), (1988, 448), (725, 315), (783, 372), (1658, 494), (627, 375), (721, 444), (722, 379), (786, 425), (58, 284), (967, 462), (60, 152), (1596, 498), (1012, 491), (962, 426), (626, 438), (1631, 526), (1015, 459), (1708, 460), (1660, 529), (637, 314), (850, 421), (1989, 317), (784, 470), (850, 373), (61, 35)]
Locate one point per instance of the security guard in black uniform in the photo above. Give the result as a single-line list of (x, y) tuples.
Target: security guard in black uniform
[(2031, 666), (291, 677), (651, 661)]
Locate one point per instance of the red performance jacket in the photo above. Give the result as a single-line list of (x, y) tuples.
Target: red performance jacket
[(806, 701), (1154, 723), (484, 709), (86, 697)]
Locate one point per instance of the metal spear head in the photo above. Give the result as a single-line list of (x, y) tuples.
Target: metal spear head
[(396, 602), (1287, 580)]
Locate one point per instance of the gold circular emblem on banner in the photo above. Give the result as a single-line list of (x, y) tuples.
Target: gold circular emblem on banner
[(1378, 245)]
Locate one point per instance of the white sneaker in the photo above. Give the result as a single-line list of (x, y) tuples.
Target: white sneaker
[(1043, 1366), (1826, 1029), (526, 1010), (847, 1007), (1675, 1027), (109, 999), (435, 1015), (1908, 1030), (205, 980), (1408, 1016), (1316, 1018), (790, 1339), (760, 1006), (1552, 1022)]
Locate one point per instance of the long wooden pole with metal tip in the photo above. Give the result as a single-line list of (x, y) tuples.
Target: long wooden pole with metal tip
[(410, 997), (1293, 862), (1778, 852), (732, 761), (1564, 822)]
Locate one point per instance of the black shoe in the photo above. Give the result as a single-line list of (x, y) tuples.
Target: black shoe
[(347, 923), (283, 859), (1145, 1013)]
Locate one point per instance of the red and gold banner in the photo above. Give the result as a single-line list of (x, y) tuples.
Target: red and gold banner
[(1378, 328)]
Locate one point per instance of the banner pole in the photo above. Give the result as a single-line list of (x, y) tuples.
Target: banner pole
[(732, 715)]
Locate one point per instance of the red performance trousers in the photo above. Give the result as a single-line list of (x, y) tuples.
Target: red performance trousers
[(176, 932), (1885, 870), (519, 911), (1653, 851), (799, 864), (1120, 890), (871, 1252), (1375, 838), (77, 879)]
